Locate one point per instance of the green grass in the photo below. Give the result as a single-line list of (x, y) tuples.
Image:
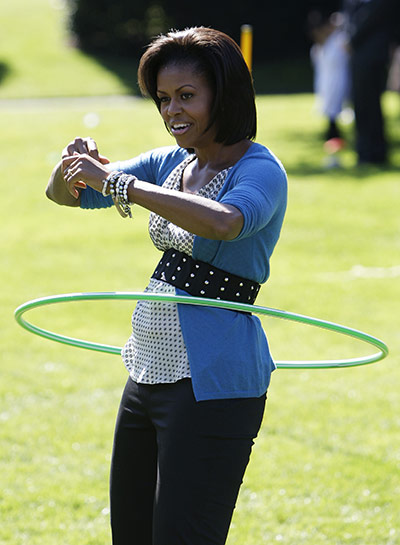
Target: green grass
[(37, 58), (325, 468)]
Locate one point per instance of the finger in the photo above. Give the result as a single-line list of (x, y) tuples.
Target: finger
[(68, 160), (67, 165), (73, 184), (80, 145), (77, 146), (104, 160), (76, 158), (92, 148), (71, 166), (72, 174), (68, 176), (73, 189)]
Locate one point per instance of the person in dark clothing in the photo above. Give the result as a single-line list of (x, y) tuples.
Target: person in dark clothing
[(370, 31)]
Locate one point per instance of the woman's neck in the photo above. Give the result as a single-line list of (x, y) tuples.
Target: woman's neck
[(218, 156)]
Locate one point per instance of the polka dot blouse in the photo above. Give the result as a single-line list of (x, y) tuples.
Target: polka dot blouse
[(155, 352)]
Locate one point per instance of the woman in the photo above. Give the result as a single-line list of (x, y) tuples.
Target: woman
[(195, 397)]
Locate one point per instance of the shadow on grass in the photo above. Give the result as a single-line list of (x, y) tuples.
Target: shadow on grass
[(311, 161), (273, 77), (362, 173), (4, 71), (125, 69)]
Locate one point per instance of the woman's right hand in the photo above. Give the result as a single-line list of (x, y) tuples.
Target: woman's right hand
[(58, 190), (81, 146)]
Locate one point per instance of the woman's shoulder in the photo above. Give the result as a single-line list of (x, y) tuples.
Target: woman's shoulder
[(259, 157), (167, 153)]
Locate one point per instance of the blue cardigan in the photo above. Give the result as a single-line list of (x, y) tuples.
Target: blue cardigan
[(228, 351)]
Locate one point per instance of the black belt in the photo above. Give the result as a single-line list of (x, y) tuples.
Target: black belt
[(201, 279)]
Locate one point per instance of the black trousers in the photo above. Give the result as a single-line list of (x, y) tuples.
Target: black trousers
[(178, 464), (369, 72)]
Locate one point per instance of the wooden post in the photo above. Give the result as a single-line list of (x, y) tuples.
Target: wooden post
[(246, 44)]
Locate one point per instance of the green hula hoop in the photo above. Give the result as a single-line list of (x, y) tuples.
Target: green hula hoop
[(188, 300)]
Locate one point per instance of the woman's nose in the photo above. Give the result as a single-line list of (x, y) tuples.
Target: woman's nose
[(174, 107)]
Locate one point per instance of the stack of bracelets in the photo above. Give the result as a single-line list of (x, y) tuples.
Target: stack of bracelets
[(117, 183)]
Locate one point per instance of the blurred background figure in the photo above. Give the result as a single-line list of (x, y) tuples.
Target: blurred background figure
[(393, 83), (330, 60), (370, 28)]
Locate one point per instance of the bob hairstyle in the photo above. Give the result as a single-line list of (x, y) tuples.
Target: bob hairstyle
[(216, 56)]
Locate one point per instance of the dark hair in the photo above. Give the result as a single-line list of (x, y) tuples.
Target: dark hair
[(216, 56)]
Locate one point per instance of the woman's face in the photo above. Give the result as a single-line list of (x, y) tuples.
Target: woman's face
[(185, 104)]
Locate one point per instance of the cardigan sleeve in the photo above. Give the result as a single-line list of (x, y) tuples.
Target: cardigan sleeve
[(259, 192)]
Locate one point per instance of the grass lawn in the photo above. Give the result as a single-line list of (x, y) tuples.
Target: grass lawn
[(326, 466), (38, 60)]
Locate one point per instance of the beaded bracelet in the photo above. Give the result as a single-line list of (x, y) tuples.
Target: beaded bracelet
[(105, 187), (124, 182), (119, 183)]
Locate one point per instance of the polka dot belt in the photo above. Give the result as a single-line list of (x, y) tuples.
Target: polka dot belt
[(201, 279)]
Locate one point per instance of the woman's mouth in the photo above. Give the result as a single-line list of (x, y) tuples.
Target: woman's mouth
[(179, 128)]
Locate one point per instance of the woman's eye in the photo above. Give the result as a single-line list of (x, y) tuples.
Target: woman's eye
[(163, 99), (185, 96)]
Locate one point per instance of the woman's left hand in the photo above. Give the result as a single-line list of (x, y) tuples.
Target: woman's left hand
[(82, 170)]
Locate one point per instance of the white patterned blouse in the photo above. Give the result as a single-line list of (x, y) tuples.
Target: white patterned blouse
[(155, 352)]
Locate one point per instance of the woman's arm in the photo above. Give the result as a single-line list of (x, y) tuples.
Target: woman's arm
[(58, 191), (199, 215)]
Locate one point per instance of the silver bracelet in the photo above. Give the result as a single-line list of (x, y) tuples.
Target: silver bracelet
[(105, 187), (119, 182), (122, 188)]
